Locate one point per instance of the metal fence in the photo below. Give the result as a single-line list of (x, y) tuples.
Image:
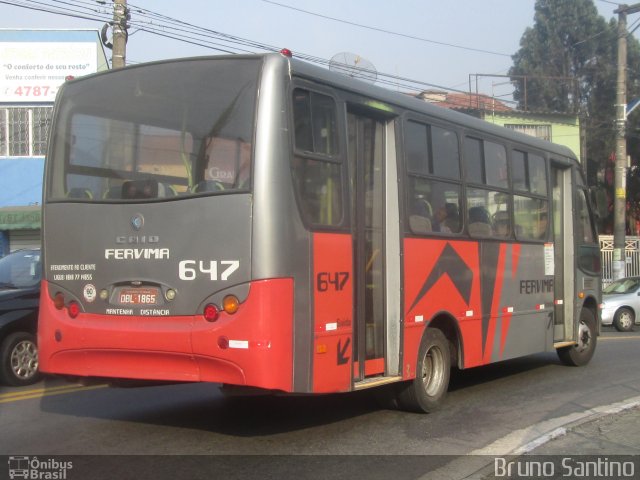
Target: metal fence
[(631, 253)]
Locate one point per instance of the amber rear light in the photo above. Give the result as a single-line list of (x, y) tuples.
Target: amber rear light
[(230, 304)]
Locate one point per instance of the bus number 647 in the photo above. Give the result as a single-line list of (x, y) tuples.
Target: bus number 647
[(191, 269), (335, 280)]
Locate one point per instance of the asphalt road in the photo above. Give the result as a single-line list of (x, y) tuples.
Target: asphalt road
[(483, 406)]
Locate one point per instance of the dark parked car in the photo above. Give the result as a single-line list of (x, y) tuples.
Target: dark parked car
[(20, 274)]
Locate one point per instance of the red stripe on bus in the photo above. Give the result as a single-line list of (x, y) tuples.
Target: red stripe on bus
[(332, 312), (422, 260)]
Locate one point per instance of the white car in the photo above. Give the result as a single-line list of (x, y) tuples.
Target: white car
[(621, 304)]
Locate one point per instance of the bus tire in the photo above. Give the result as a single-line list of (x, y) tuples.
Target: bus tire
[(579, 354), (426, 393)]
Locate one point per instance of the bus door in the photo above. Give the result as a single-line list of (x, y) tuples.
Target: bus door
[(376, 245), (563, 255)]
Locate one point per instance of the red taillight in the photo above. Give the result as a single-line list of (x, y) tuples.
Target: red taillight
[(286, 52), (73, 309), (211, 313)]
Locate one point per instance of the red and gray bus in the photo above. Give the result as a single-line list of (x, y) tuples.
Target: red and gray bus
[(258, 221)]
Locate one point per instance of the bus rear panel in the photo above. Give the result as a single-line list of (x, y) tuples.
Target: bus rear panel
[(149, 232)]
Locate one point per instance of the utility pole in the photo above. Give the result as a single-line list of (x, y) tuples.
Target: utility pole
[(120, 16), (620, 179)]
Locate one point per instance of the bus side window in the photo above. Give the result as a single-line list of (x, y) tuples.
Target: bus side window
[(303, 133), (486, 162), (495, 156), (479, 222), (315, 122), (433, 204), (317, 170), (531, 214), (434, 207), (444, 145), (488, 213), (421, 214), (532, 218), (588, 247), (501, 224), (584, 229)]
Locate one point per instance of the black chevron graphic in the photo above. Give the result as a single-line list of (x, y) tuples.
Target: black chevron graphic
[(451, 264), (489, 255)]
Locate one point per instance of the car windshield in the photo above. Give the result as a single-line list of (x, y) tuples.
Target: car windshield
[(20, 269), (624, 285)]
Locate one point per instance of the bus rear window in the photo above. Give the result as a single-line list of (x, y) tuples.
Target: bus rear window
[(315, 123), (168, 130)]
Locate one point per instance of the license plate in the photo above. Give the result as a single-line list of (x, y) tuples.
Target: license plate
[(138, 296)]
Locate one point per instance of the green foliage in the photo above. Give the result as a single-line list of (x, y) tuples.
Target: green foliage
[(570, 39)]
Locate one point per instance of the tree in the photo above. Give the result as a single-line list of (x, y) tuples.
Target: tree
[(570, 39)]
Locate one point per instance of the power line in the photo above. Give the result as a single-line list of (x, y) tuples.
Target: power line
[(389, 32), (168, 27), (383, 78), (43, 7)]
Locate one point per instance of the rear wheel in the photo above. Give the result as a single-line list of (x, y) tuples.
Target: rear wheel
[(19, 359), (427, 391), (624, 320), (580, 353)]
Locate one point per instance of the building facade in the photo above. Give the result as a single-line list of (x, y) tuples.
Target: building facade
[(553, 127), (563, 129), (33, 65)]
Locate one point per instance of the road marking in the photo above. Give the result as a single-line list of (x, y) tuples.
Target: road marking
[(19, 393), (617, 338), (44, 392)]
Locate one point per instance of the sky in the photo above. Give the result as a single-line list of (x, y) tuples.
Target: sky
[(441, 43)]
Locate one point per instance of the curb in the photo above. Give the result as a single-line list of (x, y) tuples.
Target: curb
[(478, 463), (527, 439)]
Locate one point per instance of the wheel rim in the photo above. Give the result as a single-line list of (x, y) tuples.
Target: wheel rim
[(625, 319), (433, 371), (24, 360), (584, 337)]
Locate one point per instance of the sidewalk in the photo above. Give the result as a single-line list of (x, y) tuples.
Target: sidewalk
[(602, 433), (611, 434)]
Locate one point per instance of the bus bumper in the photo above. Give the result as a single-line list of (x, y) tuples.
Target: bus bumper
[(253, 347)]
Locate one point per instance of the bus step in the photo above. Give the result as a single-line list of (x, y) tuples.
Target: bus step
[(375, 382)]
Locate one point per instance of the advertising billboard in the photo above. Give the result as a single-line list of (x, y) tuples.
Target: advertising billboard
[(33, 71)]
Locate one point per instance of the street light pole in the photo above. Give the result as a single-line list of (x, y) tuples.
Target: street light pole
[(620, 178)]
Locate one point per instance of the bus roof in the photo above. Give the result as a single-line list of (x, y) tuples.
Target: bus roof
[(313, 72)]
